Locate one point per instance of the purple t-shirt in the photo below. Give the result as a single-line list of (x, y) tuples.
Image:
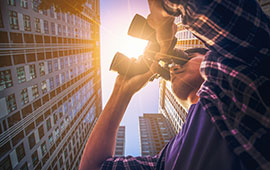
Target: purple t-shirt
[(199, 146)]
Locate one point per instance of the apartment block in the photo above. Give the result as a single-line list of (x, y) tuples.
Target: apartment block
[(50, 87), (120, 142), (155, 132)]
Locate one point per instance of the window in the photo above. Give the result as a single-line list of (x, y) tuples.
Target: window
[(67, 75), (44, 87), (46, 27), (21, 74), (35, 91), (70, 60), (31, 140), (32, 71), (50, 139), (11, 103), (51, 83), (35, 158), (71, 75), (65, 108), (61, 63), (20, 152), (26, 23), (41, 69), (1, 20), (64, 17), (45, 12), (57, 133), (69, 31), (41, 132), (37, 25), (24, 96), (49, 124), (13, 20), (5, 163), (24, 4), (35, 4), (5, 79), (55, 65), (64, 30), (49, 66), (43, 148), (62, 77), (58, 15), (53, 28), (52, 12), (66, 61), (57, 80), (59, 29), (55, 118), (12, 2)]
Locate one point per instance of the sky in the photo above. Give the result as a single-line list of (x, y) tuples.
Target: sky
[(116, 15)]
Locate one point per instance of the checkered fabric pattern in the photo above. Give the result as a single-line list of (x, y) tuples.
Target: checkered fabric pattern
[(236, 91), (136, 163)]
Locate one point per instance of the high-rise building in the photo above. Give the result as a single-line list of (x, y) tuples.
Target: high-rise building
[(265, 4), (169, 104), (185, 39), (50, 87), (155, 132), (120, 142)]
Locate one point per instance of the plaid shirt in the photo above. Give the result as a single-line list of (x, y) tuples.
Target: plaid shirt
[(236, 91)]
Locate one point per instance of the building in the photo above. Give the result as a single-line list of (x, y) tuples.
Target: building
[(155, 132), (265, 4), (50, 87), (120, 142), (170, 106), (185, 39)]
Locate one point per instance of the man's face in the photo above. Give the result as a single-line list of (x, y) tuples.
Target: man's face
[(186, 80)]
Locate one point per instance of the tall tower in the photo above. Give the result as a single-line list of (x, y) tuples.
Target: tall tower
[(155, 132), (265, 4), (50, 88), (120, 142), (169, 104)]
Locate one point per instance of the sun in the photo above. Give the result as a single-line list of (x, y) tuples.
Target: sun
[(132, 47)]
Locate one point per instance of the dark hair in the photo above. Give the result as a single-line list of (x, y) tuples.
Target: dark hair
[(202, 51)]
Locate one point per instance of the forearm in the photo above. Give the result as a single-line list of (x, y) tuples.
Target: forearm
[(101, 142)]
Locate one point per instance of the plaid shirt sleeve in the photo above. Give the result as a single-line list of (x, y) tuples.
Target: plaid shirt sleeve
[(136, 163), (236, 69)]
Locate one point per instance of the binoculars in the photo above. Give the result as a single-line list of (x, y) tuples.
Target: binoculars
[(139, 28)]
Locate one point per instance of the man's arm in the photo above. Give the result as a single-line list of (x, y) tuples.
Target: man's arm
[(101, 142)]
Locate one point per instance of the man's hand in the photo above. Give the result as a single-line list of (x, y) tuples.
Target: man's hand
[(163, 24), (128, 87)]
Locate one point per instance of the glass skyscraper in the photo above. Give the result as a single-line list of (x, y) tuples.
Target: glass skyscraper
[(50, 87)]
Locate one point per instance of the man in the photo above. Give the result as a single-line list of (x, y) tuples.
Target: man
[(227, 89)]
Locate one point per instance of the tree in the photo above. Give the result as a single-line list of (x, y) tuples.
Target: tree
[(68, 6)]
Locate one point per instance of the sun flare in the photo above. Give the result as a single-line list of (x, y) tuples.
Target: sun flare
[(132, 47)]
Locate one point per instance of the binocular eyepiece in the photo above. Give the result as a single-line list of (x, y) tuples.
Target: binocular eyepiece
[(139, 28)]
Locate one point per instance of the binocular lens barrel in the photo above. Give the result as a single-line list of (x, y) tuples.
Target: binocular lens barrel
[(139, 28), (129, 68)]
